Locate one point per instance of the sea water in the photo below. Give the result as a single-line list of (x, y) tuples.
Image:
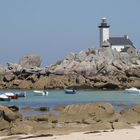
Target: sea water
[(58, 97)]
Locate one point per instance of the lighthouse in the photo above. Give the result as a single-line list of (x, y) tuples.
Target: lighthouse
[(104, 31)]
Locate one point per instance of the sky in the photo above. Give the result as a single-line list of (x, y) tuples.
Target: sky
[(55, 28)]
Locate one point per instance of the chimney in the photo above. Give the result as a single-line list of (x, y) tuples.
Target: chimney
[(126, 36)]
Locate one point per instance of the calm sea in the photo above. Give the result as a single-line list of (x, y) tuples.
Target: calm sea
[(58, 97)]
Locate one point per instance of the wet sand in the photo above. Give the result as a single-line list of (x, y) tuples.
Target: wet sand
[(123, 134)]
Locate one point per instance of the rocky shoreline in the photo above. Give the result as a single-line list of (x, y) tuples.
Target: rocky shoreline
[(90, 69), (73, 118)]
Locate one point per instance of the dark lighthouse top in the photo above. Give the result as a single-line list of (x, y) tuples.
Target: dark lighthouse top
[(104, 24)]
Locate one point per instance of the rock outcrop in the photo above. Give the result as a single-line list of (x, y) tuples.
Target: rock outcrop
[(76, 117), (96, 69), (131, 115), (29, 61), (91, 62), (7, 117), (90, 113)]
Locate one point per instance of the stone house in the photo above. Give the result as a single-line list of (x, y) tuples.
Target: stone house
[(120, 44)]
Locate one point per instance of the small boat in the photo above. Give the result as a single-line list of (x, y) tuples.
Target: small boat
[(40, 92), (11, 95), (3, 97), (70, 91), (21, 94), (132, 90)]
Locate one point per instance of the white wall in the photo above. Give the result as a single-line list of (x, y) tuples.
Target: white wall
[(118, 48), (104, 35)]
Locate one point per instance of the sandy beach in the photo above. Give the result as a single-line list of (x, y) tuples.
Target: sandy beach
[(124, 134)]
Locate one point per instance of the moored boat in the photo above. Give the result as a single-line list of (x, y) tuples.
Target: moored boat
[(21, 94), (11, 95), (40, 92), (70, 91), (132, 90), (4, 97)]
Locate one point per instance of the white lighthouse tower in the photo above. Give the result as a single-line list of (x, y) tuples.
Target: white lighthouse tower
[(104, 31)]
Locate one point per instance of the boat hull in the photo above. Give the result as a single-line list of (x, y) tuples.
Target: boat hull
[(11, 95), (4, 99), (22, 94), (132, 91), (40, 92), (69, 91)]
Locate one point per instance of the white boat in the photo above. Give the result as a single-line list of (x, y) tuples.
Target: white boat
[(132, 90), (11, 95), (3, 97), (40, 92), (70, 91)]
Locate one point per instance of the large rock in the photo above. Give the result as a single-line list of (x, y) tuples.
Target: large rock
[(103, 125), (16, 82), (133, 72), (13, 67), (8, 78), (4, 124), (2, 73), (120, 65), (29, 61), (31, 127), (58, 81), (44, 118), (24, 84), (40, 83), (70, 57), (108, 54), (96, 111), (86, 68), (81, 56), (2, 70), (66, 67), (131, 115), (134, 82), (108, 85), (125, 57), (121, 125), (8, 114), (87, 55), (22, 128), (100, 109), (108, 70), (103, 82), (81, 63), (91, 62)]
